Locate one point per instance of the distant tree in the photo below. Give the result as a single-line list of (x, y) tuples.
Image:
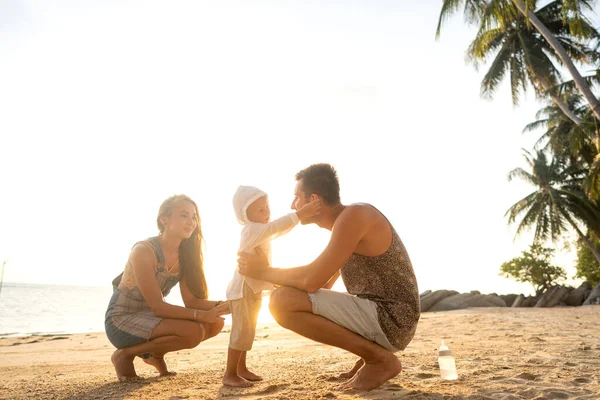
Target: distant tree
[(587, 266), (534, 267)]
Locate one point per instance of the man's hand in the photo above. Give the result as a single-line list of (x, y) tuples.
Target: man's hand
[(309, 210), (253, 266)]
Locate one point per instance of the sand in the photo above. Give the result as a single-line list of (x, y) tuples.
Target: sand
[(501, 353)]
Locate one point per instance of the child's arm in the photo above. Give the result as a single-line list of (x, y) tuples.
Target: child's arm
[(258, 234)]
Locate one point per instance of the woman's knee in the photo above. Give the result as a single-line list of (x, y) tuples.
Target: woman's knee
[(213, 329), (194, 336)]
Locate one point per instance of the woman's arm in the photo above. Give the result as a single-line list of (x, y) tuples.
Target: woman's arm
[(191, 301), (143, 263)]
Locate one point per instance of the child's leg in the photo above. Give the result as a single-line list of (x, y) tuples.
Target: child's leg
[(254, 308), (231, 377), (243, 371)]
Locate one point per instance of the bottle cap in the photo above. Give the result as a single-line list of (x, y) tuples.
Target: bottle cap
[(444, 350)]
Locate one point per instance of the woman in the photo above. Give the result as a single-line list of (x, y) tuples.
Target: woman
[(138, 320)]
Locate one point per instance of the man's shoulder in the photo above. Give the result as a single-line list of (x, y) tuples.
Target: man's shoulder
[(358, 210)]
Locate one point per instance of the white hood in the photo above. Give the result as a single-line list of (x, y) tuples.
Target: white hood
[(243, 197)]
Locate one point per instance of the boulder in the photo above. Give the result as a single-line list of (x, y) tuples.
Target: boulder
[(465, 300), (530, 301), (518, 301), (593, 297), (430, 299), (554, 296), (509, 299), (578, 296)]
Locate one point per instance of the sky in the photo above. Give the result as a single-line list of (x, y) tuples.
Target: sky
[(109, 107)]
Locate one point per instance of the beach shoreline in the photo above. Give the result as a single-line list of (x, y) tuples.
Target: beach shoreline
[(501, 353)]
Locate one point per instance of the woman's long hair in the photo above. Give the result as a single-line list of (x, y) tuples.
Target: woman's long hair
[(190, 250)]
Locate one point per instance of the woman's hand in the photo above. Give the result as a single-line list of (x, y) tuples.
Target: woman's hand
[(253, 266), (213, 314)]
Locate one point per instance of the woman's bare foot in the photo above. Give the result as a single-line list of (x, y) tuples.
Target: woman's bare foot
[(236, 381), (249, 376), (353, 371), (160, 365), (373, 375), (123, 366)]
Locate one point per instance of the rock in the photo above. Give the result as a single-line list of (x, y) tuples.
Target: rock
[(509, 299), (593, 297), (425, 293), (578, 296), (530, 301), (554, 296), (518, 301), (465, 300), (430, 299)]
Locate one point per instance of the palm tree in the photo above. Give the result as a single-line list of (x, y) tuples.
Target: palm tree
[(579, 144), (524, 54), (574, 8), (557, 203), (562, 137), (501, 12)]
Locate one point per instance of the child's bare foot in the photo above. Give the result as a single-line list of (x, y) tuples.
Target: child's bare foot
[(236, 381), (249, 376), (160, 365), (353, 371), (123, 366)]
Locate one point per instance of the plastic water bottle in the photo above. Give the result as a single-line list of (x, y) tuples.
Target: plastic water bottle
[(447, 364)]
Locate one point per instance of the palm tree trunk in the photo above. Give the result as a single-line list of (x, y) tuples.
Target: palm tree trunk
[(585, 239), (560, 51), (565, 109), (558, 101)]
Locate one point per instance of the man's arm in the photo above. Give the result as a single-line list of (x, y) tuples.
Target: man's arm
[(332, 280), (350, 228)]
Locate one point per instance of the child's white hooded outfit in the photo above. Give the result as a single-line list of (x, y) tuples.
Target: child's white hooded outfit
[(244, 294)]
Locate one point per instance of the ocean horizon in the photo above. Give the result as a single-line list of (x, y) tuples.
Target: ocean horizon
[(41, 309)]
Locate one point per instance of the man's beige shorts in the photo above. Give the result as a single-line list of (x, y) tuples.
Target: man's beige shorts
[(244, 314), (351, 312)]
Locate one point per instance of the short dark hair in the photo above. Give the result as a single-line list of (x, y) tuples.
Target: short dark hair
[(320, 179)]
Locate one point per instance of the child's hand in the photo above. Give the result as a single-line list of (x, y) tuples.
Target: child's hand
[(309, 210)]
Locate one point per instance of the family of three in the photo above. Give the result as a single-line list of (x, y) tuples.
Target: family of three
[(375, 319)]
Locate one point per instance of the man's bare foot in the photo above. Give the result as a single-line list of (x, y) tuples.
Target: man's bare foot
[(249, 376), (373, 375), (160, 365), (353, 371), (236, 381), (123, 366)]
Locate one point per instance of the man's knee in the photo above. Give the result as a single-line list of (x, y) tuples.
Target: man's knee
[(286, 299)]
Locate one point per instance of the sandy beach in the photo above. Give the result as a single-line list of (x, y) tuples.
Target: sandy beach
[(501, 353)]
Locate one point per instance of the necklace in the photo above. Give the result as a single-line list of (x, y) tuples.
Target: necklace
[(172, 266)]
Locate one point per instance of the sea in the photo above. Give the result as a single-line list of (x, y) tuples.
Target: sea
[(34, 309)]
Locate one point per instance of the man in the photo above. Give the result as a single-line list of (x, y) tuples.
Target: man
[(379, 314)]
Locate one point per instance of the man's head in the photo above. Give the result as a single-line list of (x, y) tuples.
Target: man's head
[(316, 181)]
